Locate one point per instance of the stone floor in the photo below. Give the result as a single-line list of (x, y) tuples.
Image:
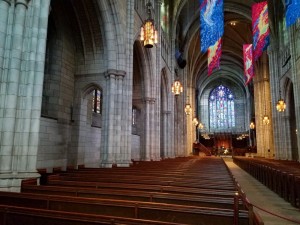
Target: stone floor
[(260, 195)]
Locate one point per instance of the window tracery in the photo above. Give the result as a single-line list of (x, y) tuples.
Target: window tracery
[(221, 108)]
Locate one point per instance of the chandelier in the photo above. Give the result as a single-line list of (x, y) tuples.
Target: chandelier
[(195, 122), (188, 107), (280, 106), (266, 120), (252, 125), (200, 126), (148, 31), (177, 88)]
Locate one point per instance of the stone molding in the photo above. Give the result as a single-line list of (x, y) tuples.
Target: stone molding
[(22, 2), (112, 73), (149, 100), (7, 1)]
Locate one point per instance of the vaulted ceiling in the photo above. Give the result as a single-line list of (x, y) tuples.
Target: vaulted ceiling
[(237, 31)]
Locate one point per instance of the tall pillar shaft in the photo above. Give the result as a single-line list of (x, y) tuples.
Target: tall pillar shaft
[(262, 98), (128, 85), (37, 83), (107, 152), (295, 67), (24, 104), (111, 152), (12, 91), (4, 12)]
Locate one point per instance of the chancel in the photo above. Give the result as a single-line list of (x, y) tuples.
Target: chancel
[(149, 112)]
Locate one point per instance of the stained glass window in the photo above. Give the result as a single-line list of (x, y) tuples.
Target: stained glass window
[(97, 101), (221, 108)]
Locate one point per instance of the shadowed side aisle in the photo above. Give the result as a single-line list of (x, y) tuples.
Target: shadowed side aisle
[(260, 195)]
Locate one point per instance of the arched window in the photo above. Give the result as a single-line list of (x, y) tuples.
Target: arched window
[(221, 108), (134, 115), (97, 101)]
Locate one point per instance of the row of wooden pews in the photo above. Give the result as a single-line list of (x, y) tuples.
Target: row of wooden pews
[(281, 176), (189, 190)]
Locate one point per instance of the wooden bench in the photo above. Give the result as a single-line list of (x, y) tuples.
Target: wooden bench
[(281, 177), (13, 215), (145, 187), (129, 209), (170, 198), (185, 191)]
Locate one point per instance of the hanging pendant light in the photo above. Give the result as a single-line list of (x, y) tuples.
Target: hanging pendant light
[(148, 32), (252, 125), (200, 126), (188, 107), (195, 121), (266, 119), (177, 87), (280, 106)]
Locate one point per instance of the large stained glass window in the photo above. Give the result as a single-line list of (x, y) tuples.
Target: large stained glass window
[(221, 108)]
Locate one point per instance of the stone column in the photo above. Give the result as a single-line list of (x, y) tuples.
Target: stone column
[(273, 54), (122, 157), (262, 107), (148, 130), (37, 86), (157, 110), (26, 156), (107, 154), (4, 12), (295, 68), (285, 129), (165, 146), (111, 148), (128, 84), (12, 88), (75, 155)]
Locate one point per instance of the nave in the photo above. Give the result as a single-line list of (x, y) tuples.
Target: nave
[(187, 190)]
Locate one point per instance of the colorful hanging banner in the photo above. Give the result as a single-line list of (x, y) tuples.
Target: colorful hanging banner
[(211, 22), (214, 56), (292, 11), (260, 28), (248, 62)]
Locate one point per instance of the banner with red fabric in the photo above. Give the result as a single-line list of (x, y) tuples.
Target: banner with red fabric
[(260, 28), (214, 56), (248, 62)]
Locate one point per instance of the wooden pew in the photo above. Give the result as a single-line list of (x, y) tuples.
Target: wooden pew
[(13, 215), (282, 177), (170, 198), (145, 187), (208, 184), (129, 209), (173, 191)]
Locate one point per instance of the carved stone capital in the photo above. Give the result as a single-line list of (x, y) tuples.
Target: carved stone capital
[(7, 1), (149, 100), (22, 2), (115, 73)]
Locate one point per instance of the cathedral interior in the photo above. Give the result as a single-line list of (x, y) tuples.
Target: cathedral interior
[(82, 87)]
